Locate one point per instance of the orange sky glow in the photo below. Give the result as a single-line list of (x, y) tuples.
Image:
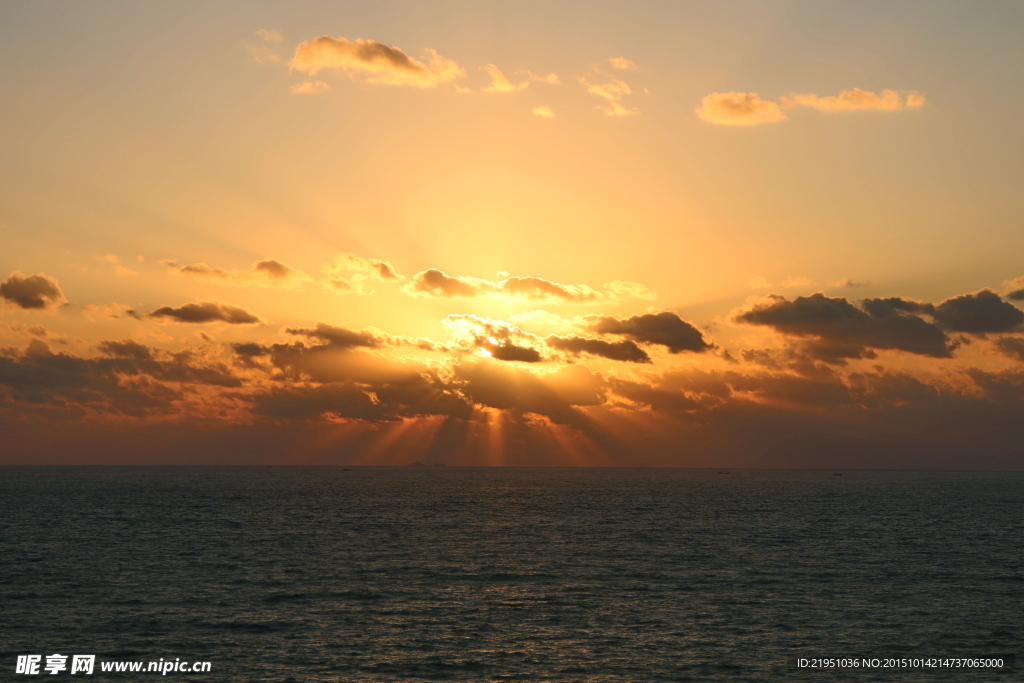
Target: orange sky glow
[(697, 235)]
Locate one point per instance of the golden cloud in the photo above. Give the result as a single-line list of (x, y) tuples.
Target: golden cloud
[(613, 91), (550, 79), (738, 109), (499, 82), (436, 283), (855, 100), (622, 63), (373, 62), (748, 109)]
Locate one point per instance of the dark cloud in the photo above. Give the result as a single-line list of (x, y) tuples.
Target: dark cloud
[(979, 313), (1016, 295), (666, 329), (436, 282), (274, 269), (250, 349), (557, 395), (206, 312), (626, 351), (184, 366), (130, 379), (268, 272), (1012, 346), (338, 337), (416, 395), (838, 330), (508, 351), (125, 349), (33, 292)]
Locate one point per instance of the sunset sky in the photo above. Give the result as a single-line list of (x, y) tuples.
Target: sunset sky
[(772, 234)]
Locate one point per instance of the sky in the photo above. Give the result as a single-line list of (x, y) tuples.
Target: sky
[(666, 234)]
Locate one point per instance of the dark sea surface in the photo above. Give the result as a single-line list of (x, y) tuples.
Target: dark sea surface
[(464, 574)]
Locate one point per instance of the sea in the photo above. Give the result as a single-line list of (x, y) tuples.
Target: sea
[(293, 574)]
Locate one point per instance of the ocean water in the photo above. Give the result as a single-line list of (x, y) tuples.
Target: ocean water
[(465, 574)]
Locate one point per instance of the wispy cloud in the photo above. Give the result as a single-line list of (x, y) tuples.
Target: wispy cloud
[(308, 87), (352, 274), (612, 91), (543, 111), (855, 100), (269, 35), (550, 79), (622, 63), (436, 283), (759, 282), (499, 82), (748, 109), (262, 53)]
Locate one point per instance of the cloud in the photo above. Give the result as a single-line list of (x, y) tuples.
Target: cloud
[(613, 91), (847, 283), (979, 313), (115, 264), (437, 283), (206, 312), (373, 62), (377, 268), (269, 35), (130, 379), (96, 312), (543, 111), (665, 329), (550, 79), (266, 273), (554, 395), (494, 338), (624, 289), (626, 351), (1012, 346), (855, 100), (622, 63), (839, 330), (351, 274), (499, 83), (338, 337), (738, 109), (263, 53), (748, 109), (308, 87), (32, 292), (1015, 289)]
